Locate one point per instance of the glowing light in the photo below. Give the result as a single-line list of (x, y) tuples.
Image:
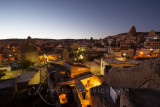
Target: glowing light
[(91, 82), (124, 54), (12, 59), (44, 58), (63, 98), (141, 53), (14, 50), (151, 49), (81, 56), (8, 46), (97, 83), (155, 37), (121, 58)]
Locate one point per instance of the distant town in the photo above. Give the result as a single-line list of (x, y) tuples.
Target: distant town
[(117, 71)]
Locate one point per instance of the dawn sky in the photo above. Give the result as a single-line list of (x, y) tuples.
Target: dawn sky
[(61, 19)]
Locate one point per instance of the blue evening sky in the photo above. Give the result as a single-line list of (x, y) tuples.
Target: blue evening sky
[(61, 19)]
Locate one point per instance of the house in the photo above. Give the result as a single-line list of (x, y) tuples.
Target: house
[(152, 43), (5, 68), (75, 78), (29, 77), (76, 69), (116, 63), (124, 45)]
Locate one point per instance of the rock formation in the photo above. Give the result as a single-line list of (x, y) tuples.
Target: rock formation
[(91, 40), (145, 75), (152, 33), (29, 52), (132, 32)]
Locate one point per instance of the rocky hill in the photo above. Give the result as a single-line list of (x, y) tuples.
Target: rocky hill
[(133, 33)]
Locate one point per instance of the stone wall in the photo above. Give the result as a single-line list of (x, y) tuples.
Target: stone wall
[(35, 79), (100, 97), (124, 100), (43, 70), (145, 75), (28, 78)]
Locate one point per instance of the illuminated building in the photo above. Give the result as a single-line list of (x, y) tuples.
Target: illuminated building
[(76, 69), (63, 98), (48, 57), (147, 53), (154, 44), (75, 77), (115, 63)]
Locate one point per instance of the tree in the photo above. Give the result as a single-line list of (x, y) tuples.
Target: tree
[(25, 64), (1, 74), (113, 44)]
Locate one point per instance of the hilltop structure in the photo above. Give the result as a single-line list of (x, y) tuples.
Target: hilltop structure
[(132, 31), (29, 52)]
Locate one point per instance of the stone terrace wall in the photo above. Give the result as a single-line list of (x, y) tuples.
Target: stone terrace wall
[(145, 75), (100, 97)]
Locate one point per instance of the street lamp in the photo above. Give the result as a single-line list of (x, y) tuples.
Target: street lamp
[(124, 54)]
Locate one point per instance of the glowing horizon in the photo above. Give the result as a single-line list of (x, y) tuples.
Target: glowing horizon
[(71, 19)]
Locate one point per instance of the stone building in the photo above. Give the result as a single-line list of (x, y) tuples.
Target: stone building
[(144, 75), (125, 45), (102, 96), (114, 63), (76, 69), (152, 35), (154, 44)]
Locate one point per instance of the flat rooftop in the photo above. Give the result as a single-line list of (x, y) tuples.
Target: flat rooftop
[(7, 83), (26, 76), (56, 67), (73, 64), (113, 61)]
